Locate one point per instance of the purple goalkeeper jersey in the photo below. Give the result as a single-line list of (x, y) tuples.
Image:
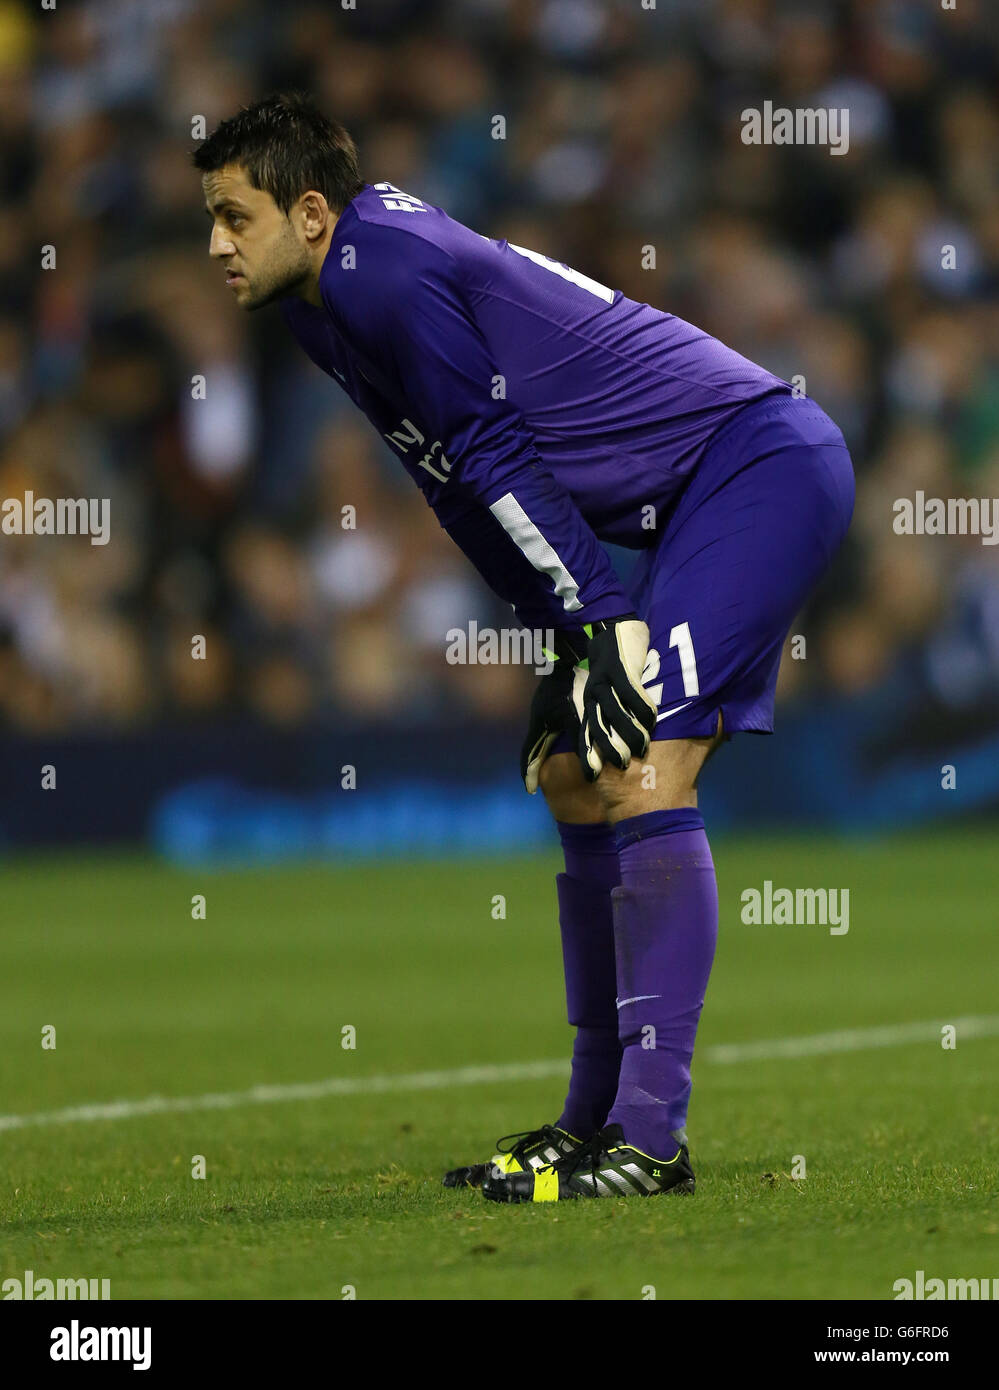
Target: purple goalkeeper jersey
[(536, 409)]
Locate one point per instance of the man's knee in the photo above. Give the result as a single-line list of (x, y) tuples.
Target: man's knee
[(653, 785), (570, 797), (664, 780)]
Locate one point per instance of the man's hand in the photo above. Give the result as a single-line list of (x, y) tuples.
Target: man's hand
[(616, 714), (552, 711)]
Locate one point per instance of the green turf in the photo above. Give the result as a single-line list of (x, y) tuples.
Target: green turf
[(304, 1198)]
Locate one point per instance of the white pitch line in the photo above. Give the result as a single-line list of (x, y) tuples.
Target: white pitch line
[(304, 1090), (851, 1040), (812, 1045)]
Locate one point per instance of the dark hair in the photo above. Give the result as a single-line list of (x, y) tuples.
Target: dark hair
[(286, 146)]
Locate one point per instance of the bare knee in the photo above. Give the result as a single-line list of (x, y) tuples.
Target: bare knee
[(656, 784), (664, 780), (571, 799)]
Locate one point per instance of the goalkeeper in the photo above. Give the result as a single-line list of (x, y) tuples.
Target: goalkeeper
[(540, 413)]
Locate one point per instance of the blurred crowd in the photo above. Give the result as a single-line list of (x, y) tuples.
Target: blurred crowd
[(623, 132)]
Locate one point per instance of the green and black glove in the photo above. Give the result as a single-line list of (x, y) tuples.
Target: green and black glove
[(552, 711), (616, 715)]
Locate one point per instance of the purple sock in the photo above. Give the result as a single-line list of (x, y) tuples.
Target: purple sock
[(587, 923), (665, 929)]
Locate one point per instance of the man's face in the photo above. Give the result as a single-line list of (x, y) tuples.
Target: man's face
[(254, 240)]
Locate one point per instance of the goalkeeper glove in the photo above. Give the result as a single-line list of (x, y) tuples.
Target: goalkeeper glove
[(552, 711), (616, 714)]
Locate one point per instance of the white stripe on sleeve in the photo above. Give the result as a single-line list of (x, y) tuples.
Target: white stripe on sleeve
[(529, 540)]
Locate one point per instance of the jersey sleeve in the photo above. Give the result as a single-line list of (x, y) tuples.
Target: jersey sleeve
[(502, 564), (404, 307)]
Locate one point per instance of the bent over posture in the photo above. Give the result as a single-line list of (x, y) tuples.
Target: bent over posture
[(541, 413)]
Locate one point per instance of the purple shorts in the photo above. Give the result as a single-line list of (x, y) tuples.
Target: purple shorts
[(741, 550)]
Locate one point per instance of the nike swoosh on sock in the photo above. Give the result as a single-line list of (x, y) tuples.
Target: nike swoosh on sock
[(635, 998)]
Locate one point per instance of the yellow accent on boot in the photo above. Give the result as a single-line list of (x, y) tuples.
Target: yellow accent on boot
[(506, 1163), (545, 1185)]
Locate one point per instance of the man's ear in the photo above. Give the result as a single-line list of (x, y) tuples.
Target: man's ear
[(315, 213)]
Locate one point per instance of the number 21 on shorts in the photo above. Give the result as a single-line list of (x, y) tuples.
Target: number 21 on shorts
[(680, 638)]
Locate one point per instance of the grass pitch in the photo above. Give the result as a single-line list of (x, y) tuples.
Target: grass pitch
[(311, 1197)]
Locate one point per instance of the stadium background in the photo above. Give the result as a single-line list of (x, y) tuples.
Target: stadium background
[(326, 647), (186, 909)]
